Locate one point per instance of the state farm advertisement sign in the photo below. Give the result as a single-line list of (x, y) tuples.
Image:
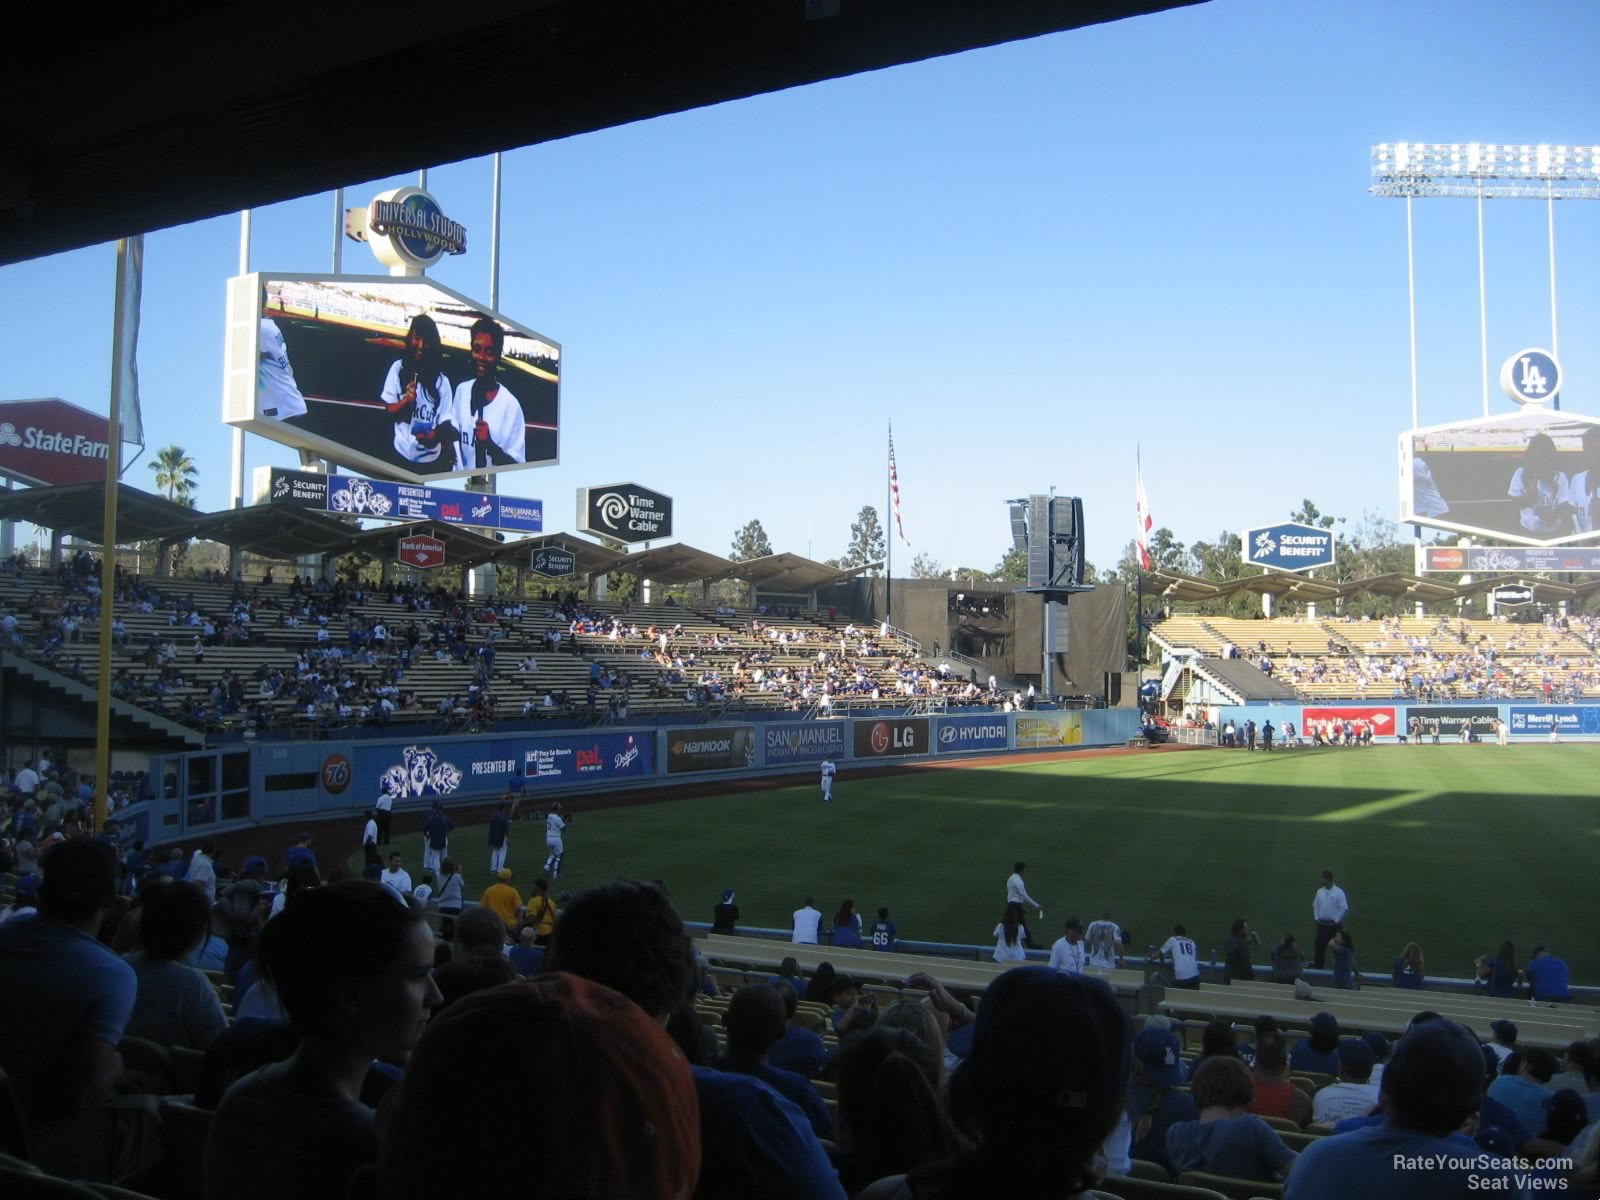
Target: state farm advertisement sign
[(421, 551), (50, 441), (1329, 720)]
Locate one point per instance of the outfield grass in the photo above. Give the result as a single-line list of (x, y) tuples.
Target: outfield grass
[(1455, 847)]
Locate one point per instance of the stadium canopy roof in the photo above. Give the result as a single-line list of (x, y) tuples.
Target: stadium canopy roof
[(1413, 587), (677, 563), (79, 510), (792, 572), (588, 558), (1191, 588), (461, 546), (257, 97), (277, 530)]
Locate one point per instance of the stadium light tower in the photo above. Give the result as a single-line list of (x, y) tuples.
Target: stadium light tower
[(1483, 171)]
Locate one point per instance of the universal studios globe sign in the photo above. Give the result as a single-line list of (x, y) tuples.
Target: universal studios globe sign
[(407, 230)]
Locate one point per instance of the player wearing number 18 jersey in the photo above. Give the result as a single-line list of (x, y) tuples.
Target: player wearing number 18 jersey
[(1185, 959)]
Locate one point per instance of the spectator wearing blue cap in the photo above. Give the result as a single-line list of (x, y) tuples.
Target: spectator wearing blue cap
[(1319, 1051), (1154, 1103), (1434, 1082)]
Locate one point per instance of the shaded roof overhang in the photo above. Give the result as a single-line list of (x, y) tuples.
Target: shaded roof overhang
[(588, 558), (78, 510), (677, 563), (792, 572)]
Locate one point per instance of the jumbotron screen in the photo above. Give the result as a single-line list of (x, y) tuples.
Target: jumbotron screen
[(1530, 477), (400, 378)]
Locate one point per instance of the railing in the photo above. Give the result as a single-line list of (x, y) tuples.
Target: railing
[(1193, 737)]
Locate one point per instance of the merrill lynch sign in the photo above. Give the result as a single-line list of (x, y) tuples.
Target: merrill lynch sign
[(1288, 547)]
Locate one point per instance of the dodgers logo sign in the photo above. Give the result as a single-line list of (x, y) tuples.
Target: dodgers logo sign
[(1531, 376), (1289, 546)]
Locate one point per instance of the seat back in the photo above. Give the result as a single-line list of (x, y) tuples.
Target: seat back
[(1126, 1187), (185, 1129), (1238, 1189)]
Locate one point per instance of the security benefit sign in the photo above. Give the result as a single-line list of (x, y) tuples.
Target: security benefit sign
[(1480, 718), (959, 735), (586, 759), (714, 748), (625, 512), (1288, 546), (892, 737), (552, 562), (1542, 721), (1036, 731), (804, 742)]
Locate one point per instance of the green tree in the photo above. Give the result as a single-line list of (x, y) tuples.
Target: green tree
[(175, 472), (750, 542), (1012, 567), (925, 566), (867, 543)]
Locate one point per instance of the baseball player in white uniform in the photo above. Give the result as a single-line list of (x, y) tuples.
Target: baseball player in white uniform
[(828, 772), (485, 418), (277, 394), (554, 825)]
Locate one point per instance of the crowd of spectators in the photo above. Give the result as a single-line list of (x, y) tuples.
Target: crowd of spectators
[(362, 1044)]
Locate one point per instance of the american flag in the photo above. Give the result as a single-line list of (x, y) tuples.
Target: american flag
[(1141, 507), (894, 489)]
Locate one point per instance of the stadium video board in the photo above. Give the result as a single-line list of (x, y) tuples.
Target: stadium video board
[(398, 377), (1529, 477)]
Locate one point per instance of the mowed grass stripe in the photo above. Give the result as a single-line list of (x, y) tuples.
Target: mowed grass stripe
[(1455, 847)]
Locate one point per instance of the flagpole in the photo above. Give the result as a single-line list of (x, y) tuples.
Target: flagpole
[(108, 556), (888, 541), (1138, 620)]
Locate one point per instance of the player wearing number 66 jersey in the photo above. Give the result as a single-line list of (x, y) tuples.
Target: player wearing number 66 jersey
[(554, 825), (883, 931), (828, 772)]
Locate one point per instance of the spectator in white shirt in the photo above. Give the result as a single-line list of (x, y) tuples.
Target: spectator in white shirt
[(807, 919), (1355, 1095), (396, 876), (203, 870), (1329, 907), (1069, 954)]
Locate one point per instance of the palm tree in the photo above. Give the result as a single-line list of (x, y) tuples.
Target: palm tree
[(175, 472)]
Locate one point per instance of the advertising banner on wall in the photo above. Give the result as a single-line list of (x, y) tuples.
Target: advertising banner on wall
[(388, 501), (48, 442), (1035, 731), (583, 759), (1452, 717), (1539, 721), (1361, 717), (399, 378), (804, 742), (960, 735), (711, 748), (891, 737), (1511, 558)]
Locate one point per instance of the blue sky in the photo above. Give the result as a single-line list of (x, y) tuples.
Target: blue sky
[(1030, 258)]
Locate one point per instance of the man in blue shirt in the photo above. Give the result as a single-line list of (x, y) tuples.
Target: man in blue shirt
[(300, 852), (1547, 975), (1433, 1083), (67, 999), (798, 1050)]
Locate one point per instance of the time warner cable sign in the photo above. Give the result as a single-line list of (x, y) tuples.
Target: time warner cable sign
[(625, 512), (1288, 547)]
